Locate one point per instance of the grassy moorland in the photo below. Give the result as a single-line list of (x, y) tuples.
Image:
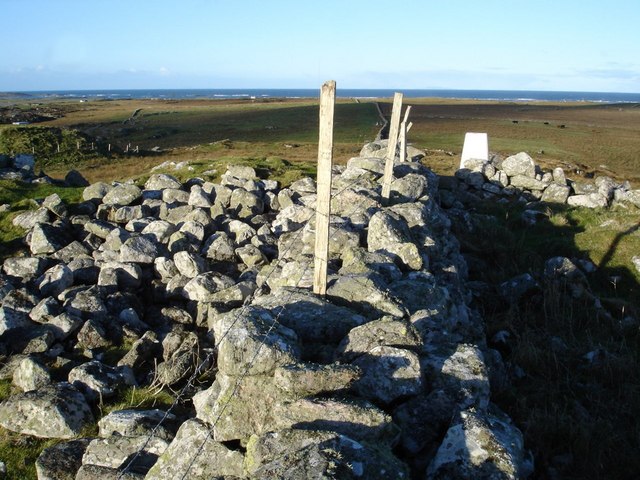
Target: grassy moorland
[(578, 410)]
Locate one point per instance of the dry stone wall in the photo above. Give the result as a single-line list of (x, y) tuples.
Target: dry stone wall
[(518, 177), (389, 376)]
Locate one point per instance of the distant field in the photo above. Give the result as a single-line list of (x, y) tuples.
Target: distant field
[(597, 139), (600, 139)]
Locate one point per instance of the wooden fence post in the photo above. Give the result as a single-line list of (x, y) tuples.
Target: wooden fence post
[(323, 202), (391, 147), (403, 136)]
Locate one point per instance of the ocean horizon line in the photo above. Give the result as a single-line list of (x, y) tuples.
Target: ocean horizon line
[(363, 93)]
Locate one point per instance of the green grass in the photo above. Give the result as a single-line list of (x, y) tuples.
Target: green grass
[(578, 418), (20, 196)]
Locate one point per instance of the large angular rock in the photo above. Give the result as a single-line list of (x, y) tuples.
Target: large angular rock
[(53, 411), (480, 445), (589, 200), (188, 264), (181, 353), (251, 341), (387, 331), (230, 405), (96, 191), (302, 380), (97, 380), (313, 454), (55, 280), (356, 419), (526, 182), (139, 250), (461, 372), (117, 451), (31, 375), (62, 461), (30, 218), (519, 164), (311, 317), (160, 181), (389, 373), (203, 287), (47, 238), (556, 193), (135, 423), (24, 268), (124, 194), (194, 454), (388, 232), (366, 294)]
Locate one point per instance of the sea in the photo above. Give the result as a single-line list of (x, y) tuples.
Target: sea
[(264, 93)]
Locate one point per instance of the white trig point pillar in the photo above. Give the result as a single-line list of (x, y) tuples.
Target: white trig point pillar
[(476, 146), (394, 126), (323, 202)]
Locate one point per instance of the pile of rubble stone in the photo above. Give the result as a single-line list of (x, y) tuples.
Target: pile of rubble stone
[(518, 177), (209, 287)]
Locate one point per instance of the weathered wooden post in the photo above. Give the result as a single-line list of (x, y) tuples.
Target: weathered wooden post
[(58, 147), (137, 150), (403, 135), (77, 144), (323, 202), (391, 147), (109, 148)]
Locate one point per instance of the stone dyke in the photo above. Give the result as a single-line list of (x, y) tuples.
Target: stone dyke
[(517, 177), (209, 285)]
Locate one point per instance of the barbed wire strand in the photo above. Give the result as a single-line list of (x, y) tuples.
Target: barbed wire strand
[(275, 322), (246, 303)]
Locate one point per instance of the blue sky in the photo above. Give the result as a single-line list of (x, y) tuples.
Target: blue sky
[(581, 45)]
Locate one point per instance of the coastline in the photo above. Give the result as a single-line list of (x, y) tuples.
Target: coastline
[(518, 96)]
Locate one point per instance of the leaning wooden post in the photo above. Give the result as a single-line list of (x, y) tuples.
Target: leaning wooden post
[(391, 147), (403, 135), (323, 202)]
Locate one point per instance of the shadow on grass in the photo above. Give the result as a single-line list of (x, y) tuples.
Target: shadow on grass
[(574, 365)]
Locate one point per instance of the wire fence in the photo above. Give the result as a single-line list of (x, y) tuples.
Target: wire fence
[(240, 312)]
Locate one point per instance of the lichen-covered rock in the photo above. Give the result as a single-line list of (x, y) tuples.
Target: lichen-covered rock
[(135, 423), (96, 191), (387, 331), (139, 250), (203, 287), (48, 238), (124, 194), (461, 372), (55, 280), (480, 445), (188, 264), (194, 454), (315, 454), (366, 294), (53, 411), (556, 193), (31, 375), (356, 419), (312, 318), (389, 373), (180, 360), (301, 380), (30, 218), (62, 461), (519, 164), (589, 200), (97, 380), (117, 451), (24, 268), (251, 341)]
